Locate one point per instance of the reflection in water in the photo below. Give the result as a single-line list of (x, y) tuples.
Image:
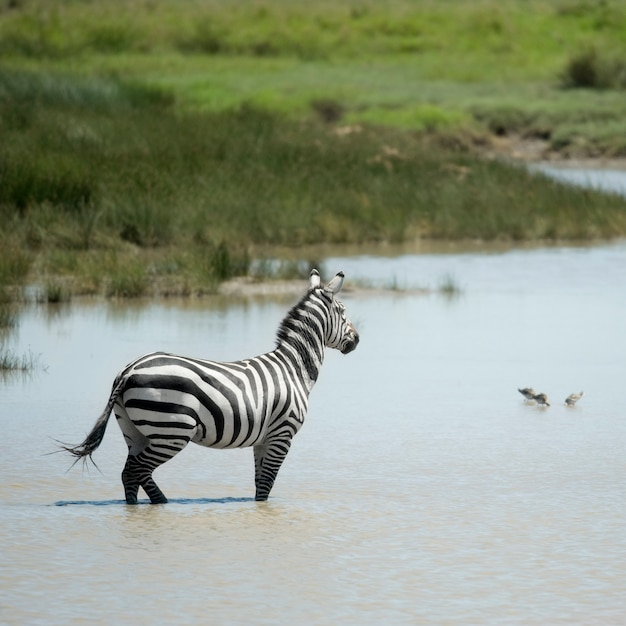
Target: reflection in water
[(422, 488)]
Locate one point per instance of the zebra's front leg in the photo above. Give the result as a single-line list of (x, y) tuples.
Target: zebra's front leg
[(268, 458)]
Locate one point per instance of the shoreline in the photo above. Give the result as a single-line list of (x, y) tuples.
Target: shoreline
[(523, 151), (250, 287), (514, 150)]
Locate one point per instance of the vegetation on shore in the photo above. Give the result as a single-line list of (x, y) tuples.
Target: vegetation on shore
[(113, 187), (554, 69), (163, 146)]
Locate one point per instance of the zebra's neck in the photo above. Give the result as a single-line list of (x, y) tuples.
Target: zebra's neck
[(301, 339)]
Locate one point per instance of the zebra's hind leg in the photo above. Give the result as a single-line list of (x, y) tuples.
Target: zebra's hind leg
[(135, 474), (130, 480), (147, 449), (138, 470)]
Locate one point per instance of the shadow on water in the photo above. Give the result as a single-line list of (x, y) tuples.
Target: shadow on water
[(172, 501)]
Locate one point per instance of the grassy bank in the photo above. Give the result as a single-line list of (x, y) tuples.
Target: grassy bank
[(553, 69), (161, 146), (111, 186)]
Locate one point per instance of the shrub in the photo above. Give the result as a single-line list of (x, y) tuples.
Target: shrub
[(590, 69)]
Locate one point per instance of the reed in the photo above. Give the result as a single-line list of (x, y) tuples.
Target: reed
[(8, 316), (54, 292), (11, 361), (128, 283), (449, 286)]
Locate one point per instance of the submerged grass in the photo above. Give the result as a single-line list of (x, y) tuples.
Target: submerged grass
[(449, 286), (10, 361)]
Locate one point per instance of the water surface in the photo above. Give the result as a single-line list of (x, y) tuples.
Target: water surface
[(603, 179), (421, 490)]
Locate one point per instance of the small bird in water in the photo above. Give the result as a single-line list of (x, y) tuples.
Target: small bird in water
[(528, 393), (573, 398), (541, 399)]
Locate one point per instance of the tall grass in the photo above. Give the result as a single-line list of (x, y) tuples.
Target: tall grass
[(15, 264), (103, 181), (115, 185), (8, 316)]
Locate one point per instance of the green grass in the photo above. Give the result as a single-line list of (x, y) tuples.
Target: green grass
[(98, 180), (455, 39), (414, 64), (160, 147)]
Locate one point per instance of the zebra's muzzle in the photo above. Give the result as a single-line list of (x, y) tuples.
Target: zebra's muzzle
[(350, 344)]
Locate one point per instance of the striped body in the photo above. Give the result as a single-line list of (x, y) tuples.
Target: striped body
[(163, 401), (217, 405)]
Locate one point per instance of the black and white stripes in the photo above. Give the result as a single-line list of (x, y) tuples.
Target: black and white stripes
[(163, 401)]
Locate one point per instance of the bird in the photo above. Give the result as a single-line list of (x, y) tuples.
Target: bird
[(573, 398), (541, 399), (528, 393)]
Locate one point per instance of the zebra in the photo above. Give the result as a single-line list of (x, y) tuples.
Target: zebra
[(163, 401)]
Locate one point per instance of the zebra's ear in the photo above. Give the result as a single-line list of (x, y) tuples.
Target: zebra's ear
[(335, 285), (314, 279)]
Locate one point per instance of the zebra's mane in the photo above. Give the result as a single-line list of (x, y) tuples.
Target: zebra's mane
[(300, 329)]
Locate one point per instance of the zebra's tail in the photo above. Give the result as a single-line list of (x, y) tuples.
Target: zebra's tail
[(93, 440)]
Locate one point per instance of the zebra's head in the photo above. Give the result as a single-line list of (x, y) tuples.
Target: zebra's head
[(340, 333)]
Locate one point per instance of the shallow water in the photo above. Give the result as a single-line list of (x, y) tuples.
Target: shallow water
[(611, 180), (422, 489)]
